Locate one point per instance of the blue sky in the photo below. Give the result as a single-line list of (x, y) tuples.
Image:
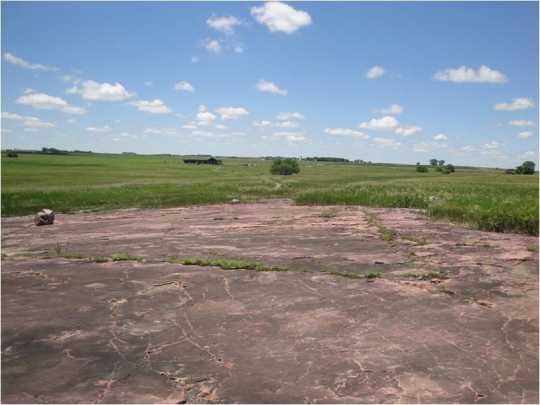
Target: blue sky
[(386, 82)]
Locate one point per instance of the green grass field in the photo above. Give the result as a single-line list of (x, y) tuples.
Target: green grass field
[(486, 199)]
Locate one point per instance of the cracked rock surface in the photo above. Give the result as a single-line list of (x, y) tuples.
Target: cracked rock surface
[(453, 316)]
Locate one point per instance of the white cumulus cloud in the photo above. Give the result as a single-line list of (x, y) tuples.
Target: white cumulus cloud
[(463, 74), (15, 60), (408, 130), (291, 136), (521, 123), (280, 17), (394, 109), (231, 113), (42, 101), (160, 131), (375, 72), (94, 91), (224, 24), (269, 87), (184, 86), (522, 103), (213, 46), (151, 106), (346, 132), (262, 124), (384, 123), (102, 130), (440, 137), (204, 117), (287, 116)]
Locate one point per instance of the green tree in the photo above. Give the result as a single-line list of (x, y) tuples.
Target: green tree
[(421, 169), (285, 167), (433, 162), (441, 162), (528, 167)]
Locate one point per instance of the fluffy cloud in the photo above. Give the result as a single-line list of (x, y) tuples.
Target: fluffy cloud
[(516, 104), (269, 87), (291, 136), (184, 86), (525, 135), (468, 148), (375, 72), (346, 132), (94, 91), (204, 117), (27, 122), (223, 24), (394, 109), (213, 46), (387, 122), (287, 116), (101, 130), (386, 143), (160, 131), (42, 101), (521, 123), (262, 124), (408, 130), (15, 60), (231, 113), (463, 74), (440, 137), (151, 106), (280, 17), (287, 124)]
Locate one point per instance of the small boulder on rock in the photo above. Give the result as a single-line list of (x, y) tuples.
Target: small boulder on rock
[(44, 217)]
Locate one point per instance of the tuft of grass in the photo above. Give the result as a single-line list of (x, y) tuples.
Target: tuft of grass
[(532, 247), (100, 259), (412, 238), (120, 257), (330, 213), (72, 255), (225, 264), (372, 275), (426, 276), (385, 233)]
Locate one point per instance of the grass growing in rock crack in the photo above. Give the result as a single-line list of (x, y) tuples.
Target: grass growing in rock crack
[(225, 264), (532, 247), (239, 264), (431, 275), (385, 233), (330, 213), (120, 257)]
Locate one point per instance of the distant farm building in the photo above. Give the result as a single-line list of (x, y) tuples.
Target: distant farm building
[(203, 161)]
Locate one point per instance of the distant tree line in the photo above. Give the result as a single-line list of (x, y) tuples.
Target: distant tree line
[(326, 159)]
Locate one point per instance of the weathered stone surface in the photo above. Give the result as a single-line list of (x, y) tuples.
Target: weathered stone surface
[(44, 217), (76, 331)]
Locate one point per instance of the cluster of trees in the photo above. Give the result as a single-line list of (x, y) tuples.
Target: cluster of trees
[(525, 168), (439, 166), (285, 167)]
